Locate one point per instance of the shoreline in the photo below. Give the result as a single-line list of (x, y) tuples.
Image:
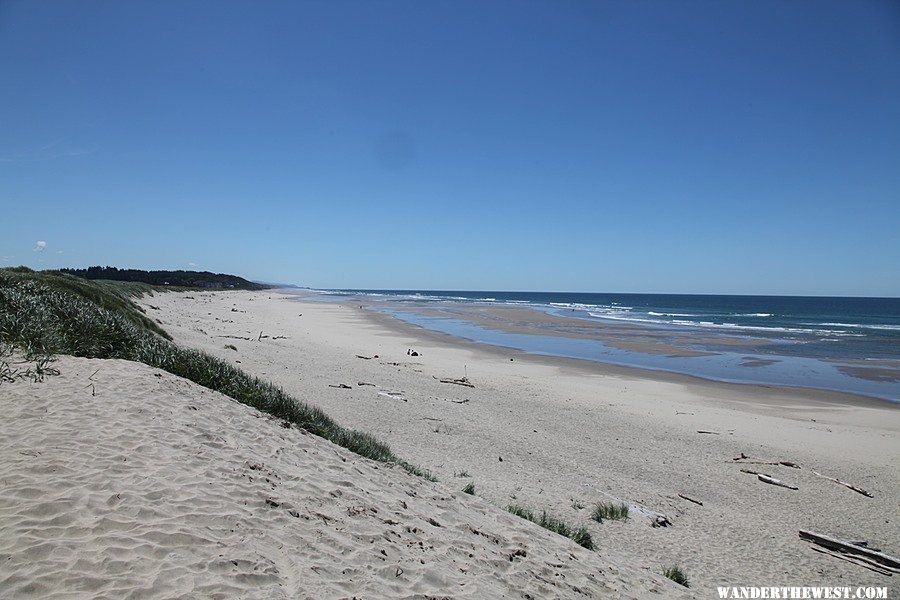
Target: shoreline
[(813, 395)]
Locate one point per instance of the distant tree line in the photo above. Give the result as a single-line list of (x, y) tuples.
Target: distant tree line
[(193, 279)]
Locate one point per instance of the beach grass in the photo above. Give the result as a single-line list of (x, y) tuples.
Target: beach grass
[(613, 511), (47, 313), (580, 535), (470, 488), (677, 575)]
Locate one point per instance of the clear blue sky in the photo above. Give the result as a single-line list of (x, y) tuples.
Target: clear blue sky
[(709, 147)]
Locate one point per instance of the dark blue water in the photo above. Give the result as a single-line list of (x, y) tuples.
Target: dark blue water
[(806, 341)]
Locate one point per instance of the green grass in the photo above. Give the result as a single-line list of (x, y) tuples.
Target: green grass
[(610, 510), (677, 575), (47, 313), (470, 488), (580, 535)]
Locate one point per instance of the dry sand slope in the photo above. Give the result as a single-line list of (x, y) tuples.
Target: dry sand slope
[(158, 488), (568, 433)]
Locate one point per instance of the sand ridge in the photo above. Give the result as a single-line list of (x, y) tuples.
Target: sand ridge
[(122, 481)]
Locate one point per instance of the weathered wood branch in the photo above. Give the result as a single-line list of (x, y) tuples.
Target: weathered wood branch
[(884, 560), (769, 479), (461, 381), (856, 560), (689, 499), (858, 490)]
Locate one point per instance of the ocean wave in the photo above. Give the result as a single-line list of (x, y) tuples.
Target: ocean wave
[(884, 327), (728, 326), (656, 314), (588, 307)]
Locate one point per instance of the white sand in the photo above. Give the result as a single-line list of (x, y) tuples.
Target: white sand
[(121, 481), (567, 432)]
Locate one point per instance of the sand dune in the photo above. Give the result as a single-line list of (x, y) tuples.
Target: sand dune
[(121, 481)]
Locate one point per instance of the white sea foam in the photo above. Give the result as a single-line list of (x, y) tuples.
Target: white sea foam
[(861, 326), (729, 326)]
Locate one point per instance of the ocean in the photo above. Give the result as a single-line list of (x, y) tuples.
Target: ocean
[(834, 343)]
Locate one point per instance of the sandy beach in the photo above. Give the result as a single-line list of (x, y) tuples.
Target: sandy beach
[(141, 484), (562, 435)]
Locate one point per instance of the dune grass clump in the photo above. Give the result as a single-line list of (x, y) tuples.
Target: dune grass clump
[(677, 575), (580, 536), (42, 314), (470, 488), (610, 510)]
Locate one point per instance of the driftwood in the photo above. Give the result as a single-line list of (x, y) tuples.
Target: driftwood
[(778, 482), (462, 381), (342, 386), (709, 432), (784, 463), (858, 490), (362, 383), (769, 479), (363, 357), (856, 560), (657, 519), (689, 499), (234, 337), (880, 559)]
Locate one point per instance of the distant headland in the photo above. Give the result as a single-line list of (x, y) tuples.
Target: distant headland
[(191, 279)]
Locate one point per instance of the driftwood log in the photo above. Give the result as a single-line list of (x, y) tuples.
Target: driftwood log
[(856, 560), (879, 559), (657, 519)]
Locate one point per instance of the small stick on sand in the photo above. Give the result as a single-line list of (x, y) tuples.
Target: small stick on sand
[(463, 381), (689, 499), (858, 490), (769, 479)]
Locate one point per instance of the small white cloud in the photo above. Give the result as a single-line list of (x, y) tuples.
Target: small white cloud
[(59, 251), (192, 264), (40, 246)]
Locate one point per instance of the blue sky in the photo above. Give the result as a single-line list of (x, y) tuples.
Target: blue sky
[(682, 147)]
